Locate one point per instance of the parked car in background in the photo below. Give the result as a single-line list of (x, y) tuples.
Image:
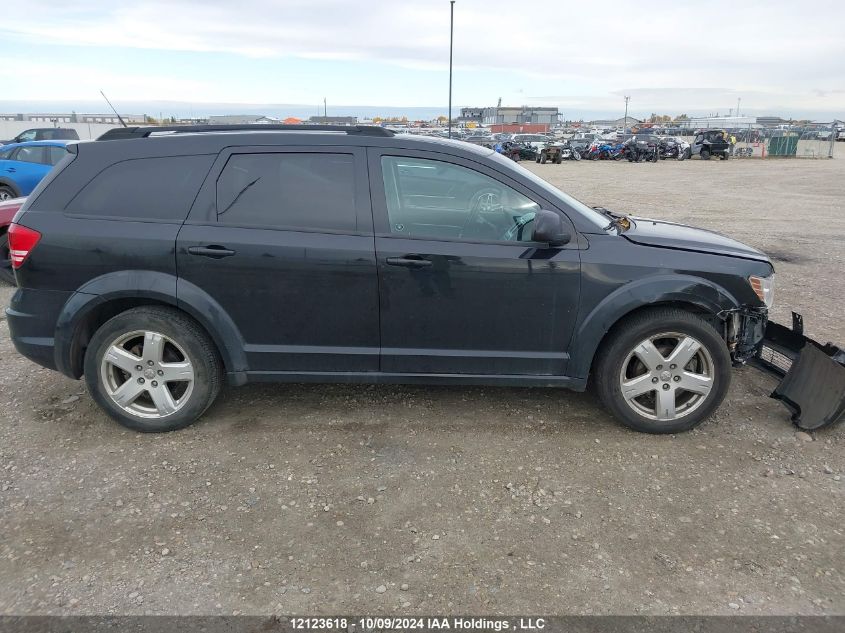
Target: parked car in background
[(8, 208), (44, 134), (709, 143), (23, 165), (537, 141)]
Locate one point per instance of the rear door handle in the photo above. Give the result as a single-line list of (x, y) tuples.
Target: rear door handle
[(409, 261), (215, 251)]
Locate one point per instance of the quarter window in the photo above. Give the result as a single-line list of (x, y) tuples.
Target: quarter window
[(438, 200), (144, 188), (312, 191), (55, 154)]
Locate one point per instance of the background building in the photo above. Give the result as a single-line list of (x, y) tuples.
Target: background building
[(333, 120), (520, 115), (616, 123)]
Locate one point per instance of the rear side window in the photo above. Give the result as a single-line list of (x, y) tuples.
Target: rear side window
[(30, 154), (314, 191), (144, 188)]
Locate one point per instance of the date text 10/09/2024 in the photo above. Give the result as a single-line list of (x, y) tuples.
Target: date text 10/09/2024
[(434, 623)]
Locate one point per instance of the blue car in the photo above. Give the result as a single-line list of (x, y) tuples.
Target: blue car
[(23, 165)]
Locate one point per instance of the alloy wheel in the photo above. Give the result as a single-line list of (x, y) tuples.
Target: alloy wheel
[(667, 376), (147, 374)]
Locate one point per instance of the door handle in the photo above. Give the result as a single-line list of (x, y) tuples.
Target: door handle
[(409, 261), (11, 170), (215, 251)]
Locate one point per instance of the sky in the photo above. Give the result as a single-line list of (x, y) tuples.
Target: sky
[(779, 57)]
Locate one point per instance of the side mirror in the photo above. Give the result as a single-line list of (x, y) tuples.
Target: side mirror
[(548, 228)]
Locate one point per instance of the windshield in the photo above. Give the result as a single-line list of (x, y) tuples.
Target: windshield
[(595, 217)]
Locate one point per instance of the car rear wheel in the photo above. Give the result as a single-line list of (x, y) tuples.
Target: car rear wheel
[(152, 369), (6, 273), (6, 193), (663, 371)]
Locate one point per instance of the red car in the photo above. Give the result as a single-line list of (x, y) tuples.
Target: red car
[(8, 208)]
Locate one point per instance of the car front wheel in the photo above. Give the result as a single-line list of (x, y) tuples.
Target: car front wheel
[(663, 371), (152, 369)]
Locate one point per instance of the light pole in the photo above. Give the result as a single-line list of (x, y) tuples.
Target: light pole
[(451, 38), (738, 99), (625, 120)]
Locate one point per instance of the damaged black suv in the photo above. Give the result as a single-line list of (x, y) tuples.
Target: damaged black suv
[(159, 263)]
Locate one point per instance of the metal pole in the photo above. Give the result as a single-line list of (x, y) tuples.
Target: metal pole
[(738, 99), (625, 120), (325, 111), (451, 38)]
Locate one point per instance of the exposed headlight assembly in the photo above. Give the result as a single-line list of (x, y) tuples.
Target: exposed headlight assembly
[(764, 288)]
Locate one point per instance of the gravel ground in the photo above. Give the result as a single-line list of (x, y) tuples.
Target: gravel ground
[(330, 499)]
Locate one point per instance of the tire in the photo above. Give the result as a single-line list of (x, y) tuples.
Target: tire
[(724, 156), (183, 341), (6, 273), (543, 159), (576, 155), (619, 362), (7, 193), (558, 160), (705, 154)]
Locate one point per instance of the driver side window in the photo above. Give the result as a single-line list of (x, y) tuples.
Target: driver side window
[(438, 200)]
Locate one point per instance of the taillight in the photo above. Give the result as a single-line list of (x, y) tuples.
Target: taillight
[(22, 240)]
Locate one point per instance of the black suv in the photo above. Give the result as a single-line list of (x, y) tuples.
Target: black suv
[(160, 262)]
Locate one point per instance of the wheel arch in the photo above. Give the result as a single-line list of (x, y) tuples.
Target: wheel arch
[(107, 296), (5, 182), (693, 294)]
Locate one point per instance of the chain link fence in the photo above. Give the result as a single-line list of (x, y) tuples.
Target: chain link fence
[(795, 142)]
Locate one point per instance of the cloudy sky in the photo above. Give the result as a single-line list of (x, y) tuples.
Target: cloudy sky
[(695, 56)]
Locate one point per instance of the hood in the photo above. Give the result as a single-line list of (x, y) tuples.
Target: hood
[(680, 236)]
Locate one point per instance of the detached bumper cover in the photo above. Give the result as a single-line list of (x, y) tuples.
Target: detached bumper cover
[(813, 375)]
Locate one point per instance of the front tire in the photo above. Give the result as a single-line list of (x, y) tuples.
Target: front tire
[(153, 369), (705, 154), (7, 193), (663, 370)]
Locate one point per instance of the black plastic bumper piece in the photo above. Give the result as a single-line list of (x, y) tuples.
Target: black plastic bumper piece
[(813, 375)]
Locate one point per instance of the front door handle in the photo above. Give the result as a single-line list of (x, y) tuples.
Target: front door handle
[(215, 251), (409, 261), (11, 170)]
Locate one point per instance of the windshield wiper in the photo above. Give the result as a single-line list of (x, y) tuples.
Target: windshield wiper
[(619, 222)]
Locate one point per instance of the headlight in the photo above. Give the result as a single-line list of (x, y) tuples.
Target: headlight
[(764, 288)]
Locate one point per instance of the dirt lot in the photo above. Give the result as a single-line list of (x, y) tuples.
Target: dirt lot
[(330, 499)]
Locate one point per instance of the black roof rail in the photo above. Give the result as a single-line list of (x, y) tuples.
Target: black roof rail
[(120, 133)]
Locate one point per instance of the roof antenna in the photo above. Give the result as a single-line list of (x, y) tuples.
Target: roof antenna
[(119, 118)]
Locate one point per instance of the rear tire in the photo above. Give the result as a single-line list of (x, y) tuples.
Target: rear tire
[(637, 381), (705, 154), (162, 342), (543, 159), (7, 193)]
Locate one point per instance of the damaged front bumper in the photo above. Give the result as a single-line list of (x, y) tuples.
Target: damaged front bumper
[(812, 375)]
